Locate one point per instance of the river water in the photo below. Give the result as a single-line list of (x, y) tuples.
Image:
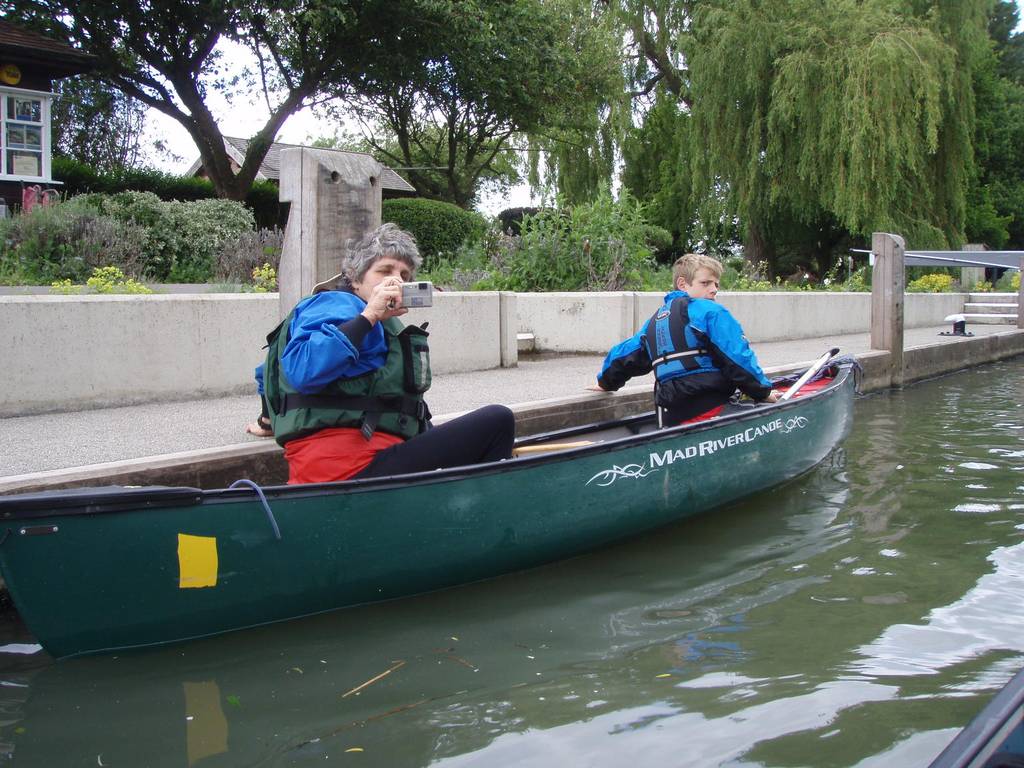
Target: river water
[(857, 616)]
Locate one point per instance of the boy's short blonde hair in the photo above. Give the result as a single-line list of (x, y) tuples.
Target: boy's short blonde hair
[(686, 267)]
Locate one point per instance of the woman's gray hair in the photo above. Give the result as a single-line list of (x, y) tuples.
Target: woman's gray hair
[(386, 240)]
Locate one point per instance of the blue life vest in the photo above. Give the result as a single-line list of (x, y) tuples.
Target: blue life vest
[(671, 353)]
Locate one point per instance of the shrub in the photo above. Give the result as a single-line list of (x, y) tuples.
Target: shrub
[(264, 279), (203, 229), (982, 286), (103, 280), (511, 219), (594, 246), (266, 206), (65, 287), (65, 241), (134, 231), (1010, 281), (439, 228), (738, 274), (250, 251), (658, 239), (112, 280), (79, 179), (935, 283)]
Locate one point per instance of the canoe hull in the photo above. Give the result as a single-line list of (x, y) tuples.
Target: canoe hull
[(104, 576)]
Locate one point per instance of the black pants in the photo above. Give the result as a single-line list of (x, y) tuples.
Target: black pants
[(485, 434), (694, 405)]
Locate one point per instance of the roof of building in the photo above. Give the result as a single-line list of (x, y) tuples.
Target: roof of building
[(57, 57), (270, 168)]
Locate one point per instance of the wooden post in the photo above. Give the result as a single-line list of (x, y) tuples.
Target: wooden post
[(1020, 296), (971, 276), (335, 197), (887, 280)]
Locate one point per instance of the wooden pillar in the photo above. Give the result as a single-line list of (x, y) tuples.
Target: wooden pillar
[(335, 197), (970, 276), (1020, 296), (887, 280)]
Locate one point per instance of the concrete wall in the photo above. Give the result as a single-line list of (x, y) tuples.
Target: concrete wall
[(592, 322), (921, 310), (465, 330), (73, 352), (576, 322), (68, 352)]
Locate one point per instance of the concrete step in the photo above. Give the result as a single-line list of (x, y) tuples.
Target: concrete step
[(990, 319), (526, 342), (998, 298), (989, 308)]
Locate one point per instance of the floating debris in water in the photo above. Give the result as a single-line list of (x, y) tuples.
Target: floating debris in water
[(373, 680)]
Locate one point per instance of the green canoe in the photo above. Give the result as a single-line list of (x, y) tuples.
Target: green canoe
[(102, 569)]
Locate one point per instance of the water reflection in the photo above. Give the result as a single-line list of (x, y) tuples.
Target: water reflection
[(853, 617), (986, 619)]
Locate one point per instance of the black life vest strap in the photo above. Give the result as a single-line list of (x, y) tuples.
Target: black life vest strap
[(409, 406), (679, 318)]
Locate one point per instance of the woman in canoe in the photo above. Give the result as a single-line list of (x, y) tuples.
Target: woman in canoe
[(344, 379)]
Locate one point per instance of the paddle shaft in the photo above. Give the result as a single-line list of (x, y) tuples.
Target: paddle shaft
[(820, 363), (524, 449)]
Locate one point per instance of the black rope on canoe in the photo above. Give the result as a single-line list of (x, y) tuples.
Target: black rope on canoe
[(263, 499)]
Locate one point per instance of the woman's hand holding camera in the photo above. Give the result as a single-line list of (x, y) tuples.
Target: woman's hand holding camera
[(385, 301)]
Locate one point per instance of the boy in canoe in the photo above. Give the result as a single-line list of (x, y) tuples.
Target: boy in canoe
[(696, 348), (344, 379)]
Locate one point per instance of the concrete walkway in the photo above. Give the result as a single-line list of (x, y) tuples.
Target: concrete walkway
[(41, 443)]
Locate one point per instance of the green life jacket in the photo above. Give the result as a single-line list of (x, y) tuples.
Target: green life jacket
[(389, 399)]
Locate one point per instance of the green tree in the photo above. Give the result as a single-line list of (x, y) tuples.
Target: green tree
[(859, 111), (657, 169), (573, 155), (96, 124), (169, 55), (995, 214), (1009, 45), (459, 114)]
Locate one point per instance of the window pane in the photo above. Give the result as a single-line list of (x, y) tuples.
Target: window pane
[(24, 163), (29, 110), (33, 137), (15, 135)]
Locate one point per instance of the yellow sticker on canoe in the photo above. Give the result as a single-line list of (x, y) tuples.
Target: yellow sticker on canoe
[(197, 561)]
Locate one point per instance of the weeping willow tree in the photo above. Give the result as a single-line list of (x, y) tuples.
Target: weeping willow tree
[(858, 110), (574, 157)]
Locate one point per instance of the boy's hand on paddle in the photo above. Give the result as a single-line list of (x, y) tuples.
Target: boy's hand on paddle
[(596, 388)]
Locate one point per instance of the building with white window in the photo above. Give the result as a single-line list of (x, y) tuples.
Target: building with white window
[(29, 63)]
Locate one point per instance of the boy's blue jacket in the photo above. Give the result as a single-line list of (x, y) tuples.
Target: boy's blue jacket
[(729, 363)]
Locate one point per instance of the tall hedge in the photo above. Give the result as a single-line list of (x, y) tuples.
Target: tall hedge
[(78, 178), (439, 228), (137, 232)]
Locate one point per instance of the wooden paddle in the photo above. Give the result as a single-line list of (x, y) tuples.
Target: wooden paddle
[(523, 450), (820, 363)]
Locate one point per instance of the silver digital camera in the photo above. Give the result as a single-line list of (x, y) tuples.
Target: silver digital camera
[(418, 294)]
